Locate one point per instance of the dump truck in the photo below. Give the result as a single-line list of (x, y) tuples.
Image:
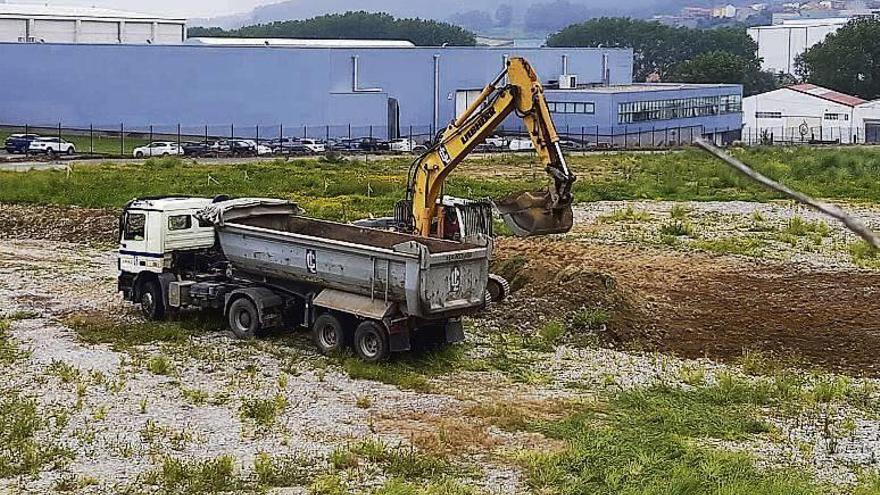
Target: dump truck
[(265, 265)]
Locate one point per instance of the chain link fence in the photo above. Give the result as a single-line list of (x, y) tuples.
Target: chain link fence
[(106, 141)]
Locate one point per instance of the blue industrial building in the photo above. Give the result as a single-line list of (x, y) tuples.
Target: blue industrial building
[(339, 90)]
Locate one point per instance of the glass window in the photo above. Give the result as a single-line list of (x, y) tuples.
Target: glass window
[(768, 115), (179, 222), (204, 224), (135, 227), (677, 108)]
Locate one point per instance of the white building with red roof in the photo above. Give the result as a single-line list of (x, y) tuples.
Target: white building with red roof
[(806, 112)]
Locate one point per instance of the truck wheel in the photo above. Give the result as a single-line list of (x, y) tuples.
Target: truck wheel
[(498, 288), (244, 319), (371, 342), (152, 303), (328, 334)]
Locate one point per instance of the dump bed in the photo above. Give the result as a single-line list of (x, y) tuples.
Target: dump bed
[(428, 278)]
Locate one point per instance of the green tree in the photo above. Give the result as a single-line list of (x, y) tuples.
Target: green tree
[(355, 25), (657, 48), (847, 61), (715, 67)]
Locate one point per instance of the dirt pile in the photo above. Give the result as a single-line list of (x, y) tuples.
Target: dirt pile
[(549, 283), (57, 223), (696, 304)]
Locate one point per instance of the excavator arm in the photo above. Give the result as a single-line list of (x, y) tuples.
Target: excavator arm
[(529, 213)]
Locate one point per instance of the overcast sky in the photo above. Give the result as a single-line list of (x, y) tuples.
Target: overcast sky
[(188, 8)]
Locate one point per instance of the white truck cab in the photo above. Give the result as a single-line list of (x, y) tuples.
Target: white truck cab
[(155, 234)]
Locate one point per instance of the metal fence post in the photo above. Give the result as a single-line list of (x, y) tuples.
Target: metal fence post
[(583, 140), (151, 138), (122, 139), (178, 137), (91, 139), (258, 139), (305, 132), (206, 138), (27, 149), (327, 134)]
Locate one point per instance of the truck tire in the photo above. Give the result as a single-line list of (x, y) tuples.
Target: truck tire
[(498, 288), (371, 342), (152, 302), (328, 334), (244, 319)]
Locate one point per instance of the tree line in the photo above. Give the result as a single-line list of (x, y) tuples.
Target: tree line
[(354, 25), (847, 61)]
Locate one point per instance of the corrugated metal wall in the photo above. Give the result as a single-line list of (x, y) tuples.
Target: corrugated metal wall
[(106, 85)]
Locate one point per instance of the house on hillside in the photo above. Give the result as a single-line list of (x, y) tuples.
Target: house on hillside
[(806, 112)]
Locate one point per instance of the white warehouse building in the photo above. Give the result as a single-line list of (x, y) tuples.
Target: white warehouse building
[(779, 45), (806, 112), (30, 23)]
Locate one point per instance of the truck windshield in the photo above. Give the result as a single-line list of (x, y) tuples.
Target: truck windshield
[(134, 227)]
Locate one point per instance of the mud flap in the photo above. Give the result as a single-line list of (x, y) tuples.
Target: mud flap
[(400, 341), (454, 332)]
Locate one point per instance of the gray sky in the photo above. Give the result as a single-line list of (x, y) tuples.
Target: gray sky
[(189, 8)]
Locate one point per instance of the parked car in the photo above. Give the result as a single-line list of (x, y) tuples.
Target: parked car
[(195, 148), (19, 143), (520, 144), (260, 148), (51, 146), (313, 145), (288, 146), (406, 145), (158, 148), (373, 144), (497, 142), (568, 145)]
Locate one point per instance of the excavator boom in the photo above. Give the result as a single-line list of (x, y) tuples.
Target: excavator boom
[(529, 213)]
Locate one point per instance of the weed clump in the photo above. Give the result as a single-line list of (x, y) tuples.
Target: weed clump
[(263, 411), (196, 476)]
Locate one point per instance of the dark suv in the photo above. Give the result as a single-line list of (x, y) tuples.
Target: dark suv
[(19, 143)]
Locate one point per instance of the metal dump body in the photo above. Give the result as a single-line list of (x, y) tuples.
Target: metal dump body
[(428, 278)]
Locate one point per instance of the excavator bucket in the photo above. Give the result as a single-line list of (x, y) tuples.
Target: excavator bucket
[(532, 213)]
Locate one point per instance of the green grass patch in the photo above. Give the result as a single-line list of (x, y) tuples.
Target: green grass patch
[(160, 365), (743, 246), (23, 451), (360, 188), (97, 328), (196, 476), (446, 486), (649, 441), (678, 228), (626, 215), (402, 461), (413, 370), (282, 471), (263, 411), (864, 254), (9, 349)]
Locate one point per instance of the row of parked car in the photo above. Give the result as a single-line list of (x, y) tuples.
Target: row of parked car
[(36, 144), (297, 146)]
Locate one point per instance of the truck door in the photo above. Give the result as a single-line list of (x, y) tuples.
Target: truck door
[(133, 244)]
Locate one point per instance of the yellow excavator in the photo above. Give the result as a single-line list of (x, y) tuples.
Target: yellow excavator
[(426, 212)]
